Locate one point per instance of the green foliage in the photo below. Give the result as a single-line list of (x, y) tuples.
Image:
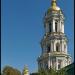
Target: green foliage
[(34, 74), (61, 72), (42, 71), (47, 72), (51, 72), (68, 70), (10, 71)]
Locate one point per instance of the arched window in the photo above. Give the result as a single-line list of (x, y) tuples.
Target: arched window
[(59, 63), (50, 27), (56, 26), (49, 48), (57, 47)]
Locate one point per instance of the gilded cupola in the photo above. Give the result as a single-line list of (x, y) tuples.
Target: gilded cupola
[(54, 7)]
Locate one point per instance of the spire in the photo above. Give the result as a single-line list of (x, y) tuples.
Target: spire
[(53, 3)]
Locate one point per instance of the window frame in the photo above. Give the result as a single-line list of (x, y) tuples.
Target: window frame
[(56, 26), (57, 47)]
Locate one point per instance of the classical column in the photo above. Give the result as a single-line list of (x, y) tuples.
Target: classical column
[(58, 26), (66, 48), (53, 24), (56, 64), (49, 63), (62, 25), (62, 46), (54, 45), (62, 64), (47, 27)]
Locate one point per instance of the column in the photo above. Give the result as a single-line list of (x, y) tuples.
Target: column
[(54, 45), (53, 25), (66, 48), (58, 26), (51, 45), (62, 63), (56, 64), (49, 63), (62, 46), (47, 27), (62, 24)]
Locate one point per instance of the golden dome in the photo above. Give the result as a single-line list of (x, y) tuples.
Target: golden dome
[(54, 6)]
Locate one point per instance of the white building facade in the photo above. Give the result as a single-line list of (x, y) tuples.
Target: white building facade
[(54, 43)]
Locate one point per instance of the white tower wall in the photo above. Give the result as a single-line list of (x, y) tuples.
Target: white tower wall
[(54, 43)]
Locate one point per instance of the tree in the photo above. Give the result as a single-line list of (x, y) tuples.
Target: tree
[(10, 71), (51, 72), (47, 71), (61, 72), (42, 72)]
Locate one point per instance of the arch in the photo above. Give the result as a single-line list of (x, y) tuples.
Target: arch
[(48, 48), (59, 63), (56, 28), (57, 47), (50, 26)]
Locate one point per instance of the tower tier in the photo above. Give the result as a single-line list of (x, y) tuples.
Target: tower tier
[(54, 42)]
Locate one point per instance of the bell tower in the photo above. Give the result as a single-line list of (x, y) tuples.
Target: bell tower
[(54, 42)]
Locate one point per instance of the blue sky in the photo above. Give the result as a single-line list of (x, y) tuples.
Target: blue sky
[(22, 29)]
